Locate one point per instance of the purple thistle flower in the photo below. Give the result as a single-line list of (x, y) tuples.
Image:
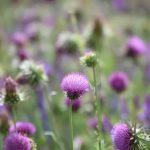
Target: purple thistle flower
[(121, 136), (76, 104), (135, 47), (26, 128), (75, 85), (19, 39), (118, 81), (92, 122), (16, 141)]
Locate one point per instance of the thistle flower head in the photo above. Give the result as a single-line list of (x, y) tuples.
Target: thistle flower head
[(16, 141), (121, 136), (11, 95), (76, 104), (32, 73), (75, 85), (89, 59), (118, 81), (135, 47), (129, 137), (69, 43), (24, 128), (19, 39)]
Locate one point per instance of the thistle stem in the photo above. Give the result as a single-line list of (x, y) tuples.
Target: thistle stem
[(71, 126), (14, 118), (98, 109)]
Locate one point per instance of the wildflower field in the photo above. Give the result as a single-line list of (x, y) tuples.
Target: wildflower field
[(75, 75)]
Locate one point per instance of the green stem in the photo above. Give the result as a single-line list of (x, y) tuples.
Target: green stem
[(98, 109), (71, 126), (14, 117), (53, 120)]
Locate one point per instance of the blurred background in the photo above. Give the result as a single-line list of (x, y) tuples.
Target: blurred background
[(41, 27)]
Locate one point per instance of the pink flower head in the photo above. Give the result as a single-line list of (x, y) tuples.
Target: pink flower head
[(75, 85)]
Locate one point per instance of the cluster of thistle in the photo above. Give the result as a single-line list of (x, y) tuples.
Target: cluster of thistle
[(124, 136), (17, 135)]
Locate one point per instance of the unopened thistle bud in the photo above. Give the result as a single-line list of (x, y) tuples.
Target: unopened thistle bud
[(89, 59), (11, 96)]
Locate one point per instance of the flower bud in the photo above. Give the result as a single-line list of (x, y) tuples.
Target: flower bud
[(11, 96), (89, 59)]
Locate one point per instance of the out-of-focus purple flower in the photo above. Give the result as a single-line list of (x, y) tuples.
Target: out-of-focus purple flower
[(16, 141), (50, 21), (135, 47), (106, 124), (19, 39), (145, 116), (124, 109), (119, 4), (32, 32), (29, 16), (76, 104), (48, 68), (92, 122), (25, 128), (75, 85), (22, 54), (118, 81), (121, 135)]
